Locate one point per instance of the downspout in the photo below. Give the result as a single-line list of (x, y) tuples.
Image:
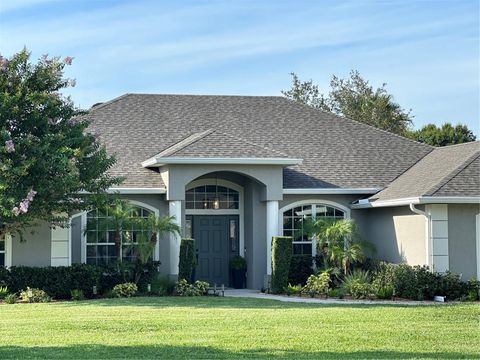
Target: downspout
[(428, 247)]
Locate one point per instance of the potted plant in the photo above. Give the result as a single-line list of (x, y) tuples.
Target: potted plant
[(238, 265)]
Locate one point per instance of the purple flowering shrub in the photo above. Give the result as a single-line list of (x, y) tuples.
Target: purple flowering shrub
[(48, 159)]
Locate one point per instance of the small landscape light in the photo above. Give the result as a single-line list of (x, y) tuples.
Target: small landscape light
[(94, 289), (149, 287)]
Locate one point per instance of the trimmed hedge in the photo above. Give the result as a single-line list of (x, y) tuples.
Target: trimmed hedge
[(58, 282), (301, 267), (186, 262), (281, 258)]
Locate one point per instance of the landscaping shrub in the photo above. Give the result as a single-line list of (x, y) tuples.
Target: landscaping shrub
[(317, 284), (281, 258), (3, 291), (56, 281), (451, 286), (77, 295), (187, 259), (11, 299), (183, 288), (125, 290), (300, 269), (37, 295), (162, 286), (384, 293), (293, 289), (357, 284), (336, 293)]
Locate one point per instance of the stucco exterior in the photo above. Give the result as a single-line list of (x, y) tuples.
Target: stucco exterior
[(462, 239), (397, 233), (35, 249)]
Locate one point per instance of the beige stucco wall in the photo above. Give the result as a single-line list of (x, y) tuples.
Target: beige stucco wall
[(397, 233), (35, 250), (462, 239)]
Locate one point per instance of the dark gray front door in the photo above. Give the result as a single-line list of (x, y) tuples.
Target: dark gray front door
[(214, 246)]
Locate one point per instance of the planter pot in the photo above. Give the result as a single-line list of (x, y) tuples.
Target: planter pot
[(238, 278)]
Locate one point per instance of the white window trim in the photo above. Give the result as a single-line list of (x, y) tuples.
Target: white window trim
[(315, 202), (239, 211), (8, 250), (83, 257)]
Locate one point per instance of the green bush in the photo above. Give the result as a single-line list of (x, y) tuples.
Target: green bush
[(187, 259), (300, 269), (77, 295), (336, 293), (357, 284), (238, 263), (293, 289), (317, 284), (281, 258), (163, 286), (56, 281), (11, 299), (34, 295), (3, 291), (384, 293), (125, 290), (183, 288)]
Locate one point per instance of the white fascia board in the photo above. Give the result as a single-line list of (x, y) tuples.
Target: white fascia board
[(334, 191), (420, 200), (137, 191), (229, 161)]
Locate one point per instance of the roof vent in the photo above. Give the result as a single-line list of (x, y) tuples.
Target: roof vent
[(96, 104)]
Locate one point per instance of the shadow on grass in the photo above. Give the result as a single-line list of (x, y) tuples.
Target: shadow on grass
[(225, 302), (95, 351)]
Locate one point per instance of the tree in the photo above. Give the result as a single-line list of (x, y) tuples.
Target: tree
[(49, 164), (356, 99), (338, 242), (444, 135)]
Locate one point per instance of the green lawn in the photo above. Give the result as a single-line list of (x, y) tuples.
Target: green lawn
[(236, 328)]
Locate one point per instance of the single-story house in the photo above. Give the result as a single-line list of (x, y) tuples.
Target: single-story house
[(237, 170)]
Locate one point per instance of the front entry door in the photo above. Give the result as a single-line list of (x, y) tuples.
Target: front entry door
[(214, 246)]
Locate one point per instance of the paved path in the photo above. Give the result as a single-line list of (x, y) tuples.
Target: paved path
[(255, 294)]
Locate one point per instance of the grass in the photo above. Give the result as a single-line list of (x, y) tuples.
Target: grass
[(236, 328)]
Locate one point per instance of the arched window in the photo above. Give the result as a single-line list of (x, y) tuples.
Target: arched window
[(100, 237), (211, 197), (293, 224)]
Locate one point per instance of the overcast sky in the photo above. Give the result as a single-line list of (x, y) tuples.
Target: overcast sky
[(426, 51)]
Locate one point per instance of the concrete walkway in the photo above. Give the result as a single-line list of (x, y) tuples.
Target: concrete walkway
[(255, 294)]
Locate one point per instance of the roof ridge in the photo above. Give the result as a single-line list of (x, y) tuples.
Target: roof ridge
[(446, 179), (252, 143), (106, 103), (362, 123), (206, 95), (185, 142), (457, 145)]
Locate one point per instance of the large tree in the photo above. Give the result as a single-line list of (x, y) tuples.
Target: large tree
[(356, 99), (48, 161), (443, 135)]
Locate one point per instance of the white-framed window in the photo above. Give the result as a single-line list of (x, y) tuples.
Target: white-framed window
[(100, 237), (293, 220), (2, 251)]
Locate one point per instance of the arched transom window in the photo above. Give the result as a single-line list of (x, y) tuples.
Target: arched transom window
[(100, 237), (212, 197), (293, 224)]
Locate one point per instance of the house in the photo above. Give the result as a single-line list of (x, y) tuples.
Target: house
[(237, 170)]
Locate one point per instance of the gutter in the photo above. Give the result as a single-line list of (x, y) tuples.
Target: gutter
[(364, 203)]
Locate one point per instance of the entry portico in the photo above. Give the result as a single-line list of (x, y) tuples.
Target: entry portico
[(259, 185)]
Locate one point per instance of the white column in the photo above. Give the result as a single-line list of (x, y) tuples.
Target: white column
[(272, 230), (175, 209)]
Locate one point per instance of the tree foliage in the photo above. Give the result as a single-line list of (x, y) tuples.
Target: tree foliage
[(47, 159), (445, 135), (354, 98)]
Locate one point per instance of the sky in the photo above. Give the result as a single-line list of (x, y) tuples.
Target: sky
[(427, 52)]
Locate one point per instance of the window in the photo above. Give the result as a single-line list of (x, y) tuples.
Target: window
[(2, 251), (100, 236), (211, 197), (293, 224)]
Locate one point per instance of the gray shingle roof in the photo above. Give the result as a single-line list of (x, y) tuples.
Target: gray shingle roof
[(213, 143), (337, 152), (446, 171)]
